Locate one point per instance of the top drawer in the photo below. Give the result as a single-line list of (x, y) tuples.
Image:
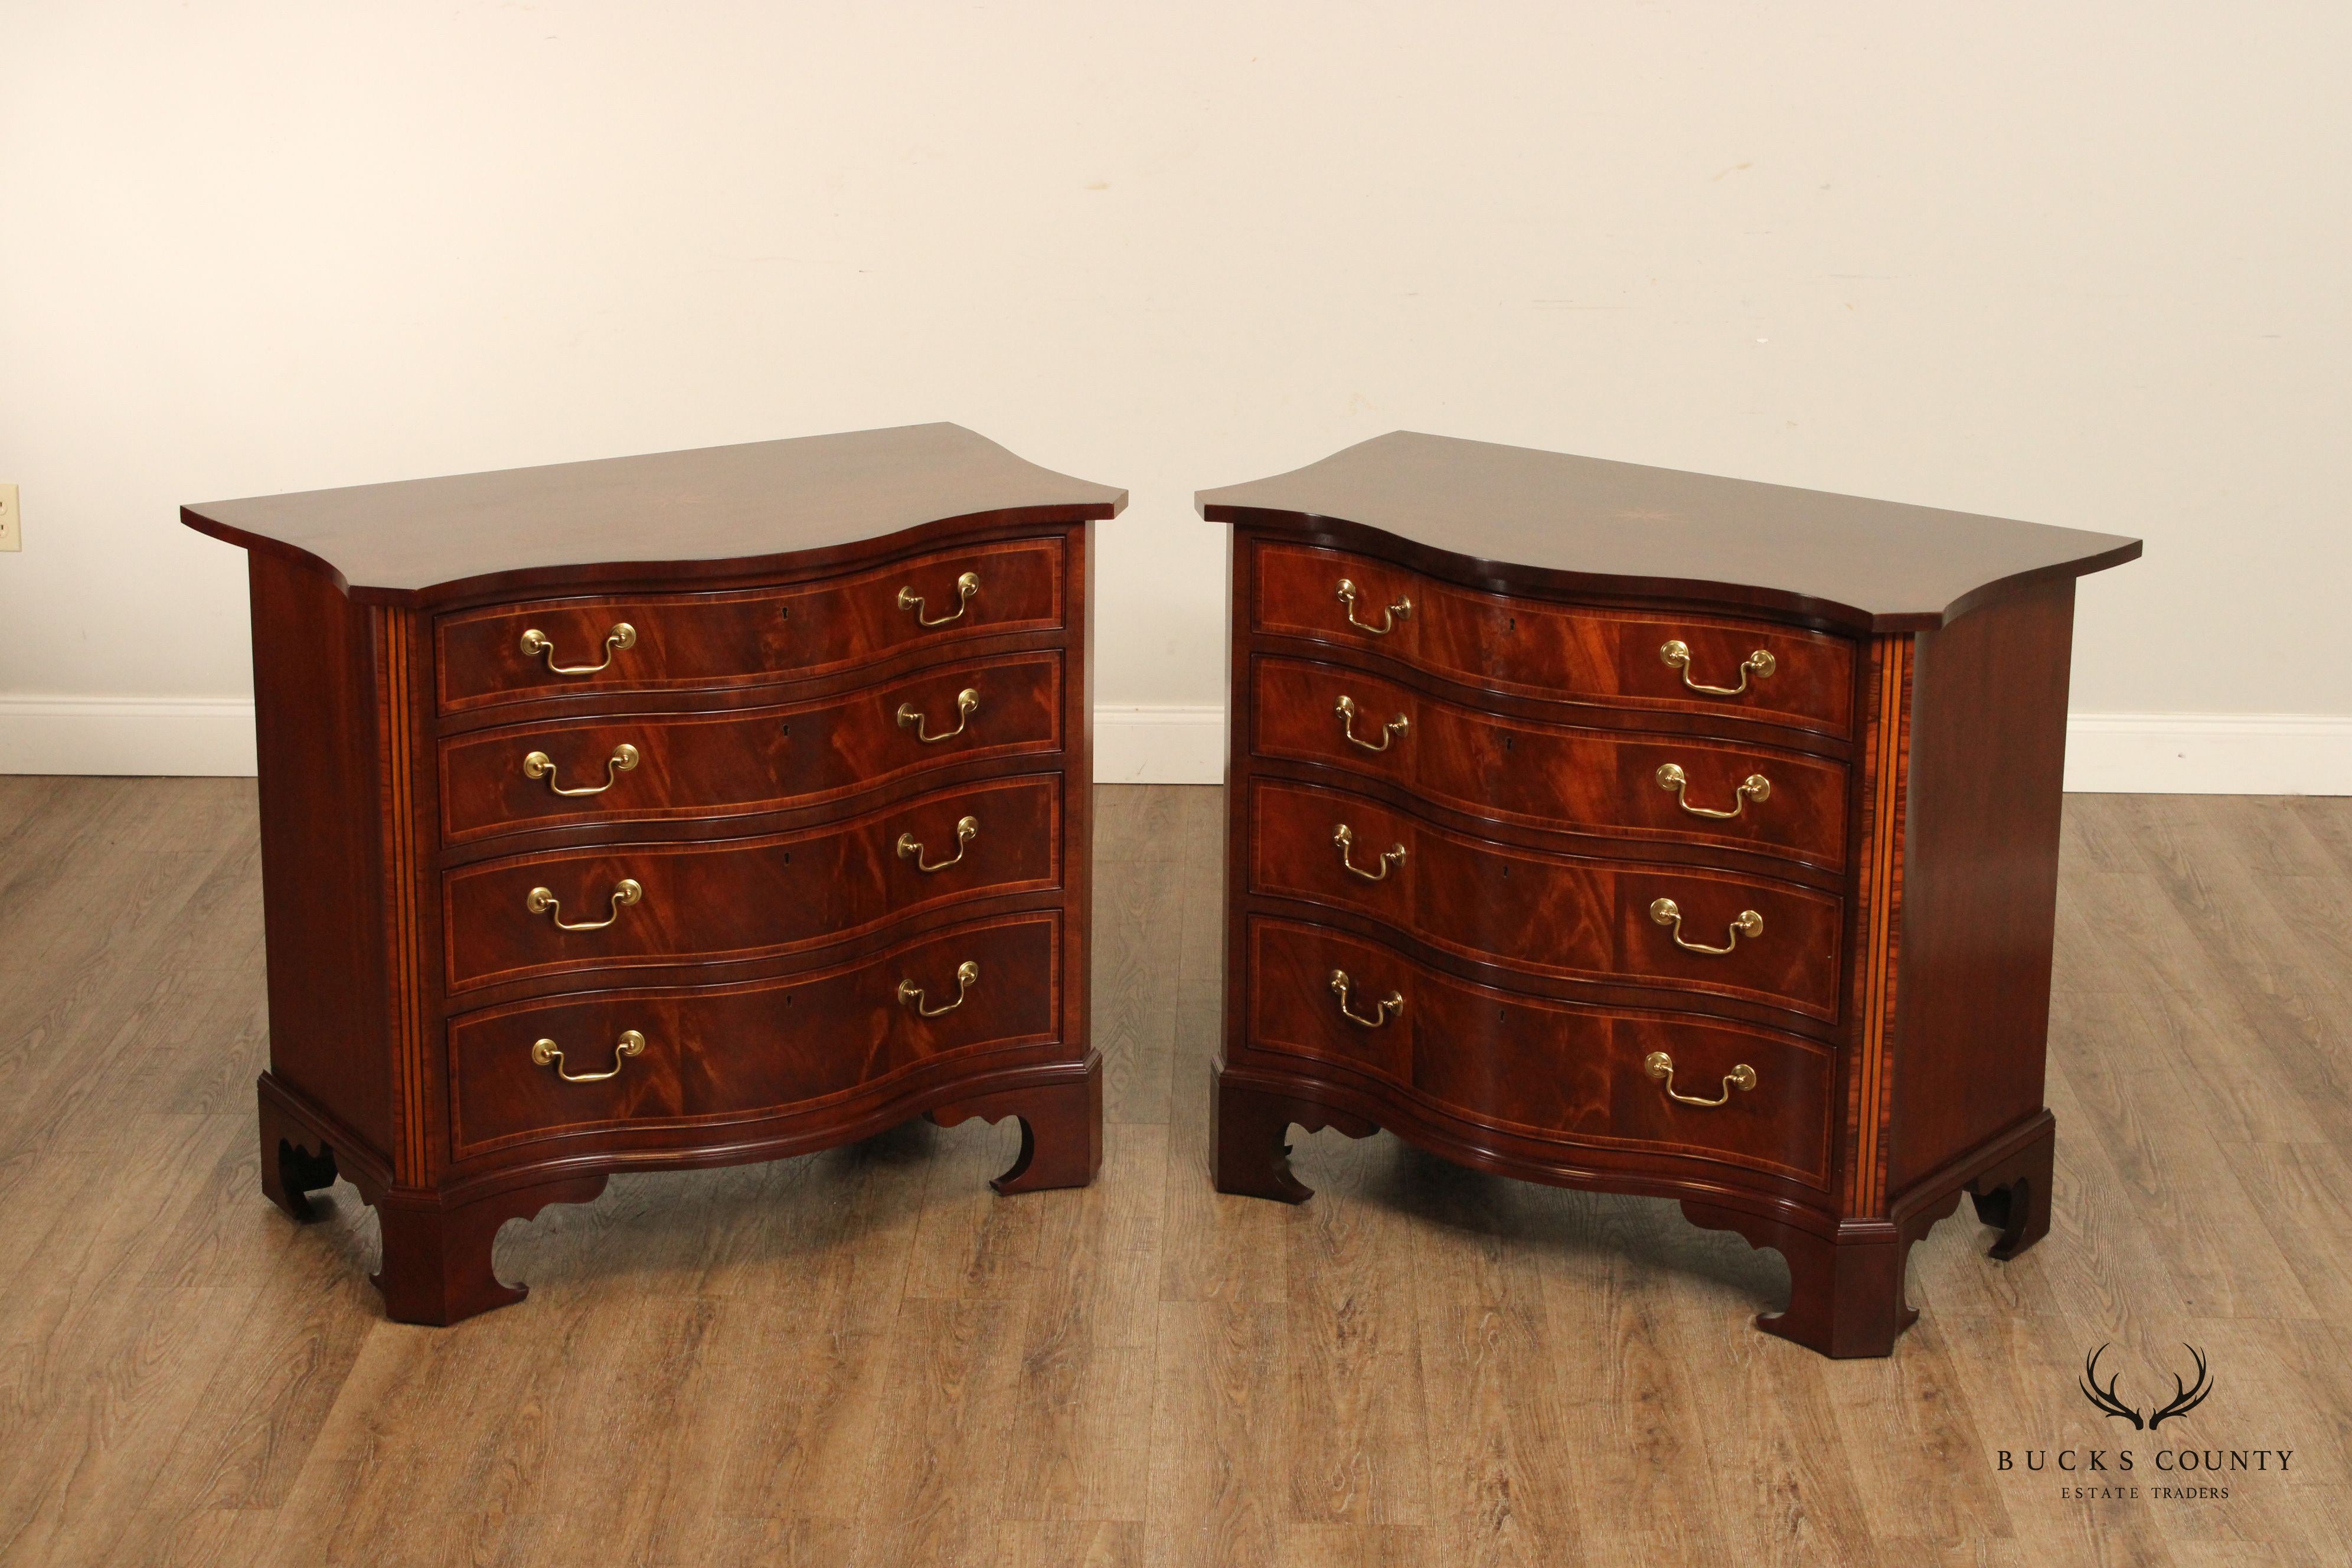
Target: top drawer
[(653, 642), (1617, 658)]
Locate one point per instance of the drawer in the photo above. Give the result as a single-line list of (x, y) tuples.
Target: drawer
[(652, 1059), (1616, 783), (508, 653), (1532, 647), (1556, 914), (1549, 1068), (713, 763), (626, 905)]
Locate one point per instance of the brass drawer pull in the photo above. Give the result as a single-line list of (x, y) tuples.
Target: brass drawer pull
[(1677, 655), (911, 849), (1659, 1065), (1389, 732), (547, 1054), (539, 765), (911, 718), (1400, 611), (911, 994), (537, 644), (1747, 923), (966, 586), (1389, 859), (543, 902), (1393, 1002), (1754, 786)]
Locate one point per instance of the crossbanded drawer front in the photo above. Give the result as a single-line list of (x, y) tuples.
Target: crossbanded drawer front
[(1614, 782), (679, 1058), (1582, 1075), (601, 644), (1554, 914), (631, 905), (649, 766), (1662, 661)]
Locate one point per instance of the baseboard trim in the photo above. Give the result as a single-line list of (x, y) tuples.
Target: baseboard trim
[(2209, 754), (2106, 753), (208, 737), (1165, 744)]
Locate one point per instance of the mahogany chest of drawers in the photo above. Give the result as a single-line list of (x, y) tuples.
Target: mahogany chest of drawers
[(664, 812), (1644, 831)]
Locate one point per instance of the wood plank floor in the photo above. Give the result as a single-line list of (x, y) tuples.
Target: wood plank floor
[(864, 1358)]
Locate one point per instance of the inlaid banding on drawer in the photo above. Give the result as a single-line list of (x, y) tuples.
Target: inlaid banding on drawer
[(735, 1052), (1534, 647), (1561, 915), (745, 637), (1604, 782), (748, 898), (750, 759), (1539, 1066)]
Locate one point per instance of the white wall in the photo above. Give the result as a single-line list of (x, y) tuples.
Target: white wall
[(2080, 264)]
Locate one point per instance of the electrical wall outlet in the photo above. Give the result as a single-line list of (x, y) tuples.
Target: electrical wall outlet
[(12, 521)]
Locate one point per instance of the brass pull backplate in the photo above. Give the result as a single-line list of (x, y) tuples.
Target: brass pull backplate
[(911, 849), (911, 718), (537, 644), (539, 765), (547, 1054), (1678, 655), (911, 994), (966, 586), (1661, 1066)]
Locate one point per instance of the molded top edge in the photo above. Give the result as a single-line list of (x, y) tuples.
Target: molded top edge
[(1884, 565), (708, 504)]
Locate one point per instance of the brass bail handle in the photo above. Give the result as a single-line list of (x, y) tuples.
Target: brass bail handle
[(911, 718), (1389, 732), (1382, 1008), (543, 902), (1678, 655), (911, 847), (537, 644), (1754, 786), (1661, 1066), (1400, 611), (966, 586), (1747, 923), (911, 994), (547, 1054), (1391, 858), (539, 765)]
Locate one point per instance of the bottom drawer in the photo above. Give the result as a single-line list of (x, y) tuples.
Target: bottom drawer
[(656, 1056), (1544, 1067)]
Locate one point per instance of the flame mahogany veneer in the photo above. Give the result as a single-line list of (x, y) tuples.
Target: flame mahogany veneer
[(814, 886), (1454, 657)]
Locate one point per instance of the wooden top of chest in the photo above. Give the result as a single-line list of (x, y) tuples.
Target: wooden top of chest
[(1512, 517), (397, 542)]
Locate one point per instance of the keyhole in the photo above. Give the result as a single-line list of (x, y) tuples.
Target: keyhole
[(1511, 743)]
